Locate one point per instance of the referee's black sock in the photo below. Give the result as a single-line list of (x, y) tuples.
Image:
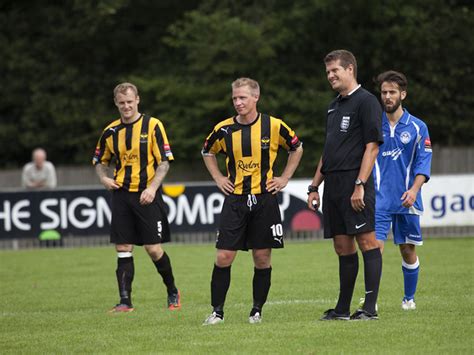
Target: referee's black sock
[(163, 265), (261, 287), (348, 269), (372, 275), (220, 283), (125, 272)]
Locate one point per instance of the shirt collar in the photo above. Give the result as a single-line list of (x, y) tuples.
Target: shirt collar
[(349, 94), (339, 97), (405, 119)]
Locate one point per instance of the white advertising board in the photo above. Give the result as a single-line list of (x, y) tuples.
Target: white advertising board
[(448, 199)]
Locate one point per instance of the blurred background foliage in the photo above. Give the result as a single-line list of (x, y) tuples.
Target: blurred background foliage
[(60, 61)]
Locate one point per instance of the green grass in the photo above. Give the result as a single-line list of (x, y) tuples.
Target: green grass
[(56, 301)]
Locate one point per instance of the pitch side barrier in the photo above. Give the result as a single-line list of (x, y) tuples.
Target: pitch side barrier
[(195, 208)]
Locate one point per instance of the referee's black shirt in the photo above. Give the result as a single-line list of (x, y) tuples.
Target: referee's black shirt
[(352, 122)]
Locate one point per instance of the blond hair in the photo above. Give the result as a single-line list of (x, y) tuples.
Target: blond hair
[(252, 84), (122, 88)]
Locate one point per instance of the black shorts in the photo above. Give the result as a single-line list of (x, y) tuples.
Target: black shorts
[(133, 223), (338, 215), (250, 222)]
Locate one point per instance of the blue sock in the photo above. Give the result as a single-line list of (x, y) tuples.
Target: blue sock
[(410, 278)]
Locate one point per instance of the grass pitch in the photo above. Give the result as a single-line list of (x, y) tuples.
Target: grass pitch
[(56, 301)]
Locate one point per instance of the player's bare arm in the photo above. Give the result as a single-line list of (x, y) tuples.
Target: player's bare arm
[(102, 173), (148, 195), (314, 200), (223, 182), (278, 183), (409, 197), (368, 161)]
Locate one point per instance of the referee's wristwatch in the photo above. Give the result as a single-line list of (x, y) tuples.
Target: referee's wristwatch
[(312, 188), (359, 182)]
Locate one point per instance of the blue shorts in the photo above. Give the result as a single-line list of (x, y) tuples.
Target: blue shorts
[(406, 228)]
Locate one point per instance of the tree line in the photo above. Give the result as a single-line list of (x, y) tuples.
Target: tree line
[(60, 61)]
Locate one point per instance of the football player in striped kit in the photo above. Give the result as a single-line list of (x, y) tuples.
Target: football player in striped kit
[(250, 217)]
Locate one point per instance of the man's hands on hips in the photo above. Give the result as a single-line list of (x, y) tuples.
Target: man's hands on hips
[(224, 184), (109, 183), (276, 184)]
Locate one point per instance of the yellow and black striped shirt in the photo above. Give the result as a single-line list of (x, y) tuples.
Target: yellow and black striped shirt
[(138, 149), (250, 150)]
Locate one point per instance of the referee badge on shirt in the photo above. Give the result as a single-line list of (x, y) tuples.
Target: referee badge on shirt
[(346, 120)]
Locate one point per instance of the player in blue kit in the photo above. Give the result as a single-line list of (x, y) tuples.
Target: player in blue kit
[(402, 167)]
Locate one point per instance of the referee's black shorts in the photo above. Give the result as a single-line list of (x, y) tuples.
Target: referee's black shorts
[(250, 222), (338, 215), (133, 223)]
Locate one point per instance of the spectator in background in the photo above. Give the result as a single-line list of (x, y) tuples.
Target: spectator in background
[(39, 173)]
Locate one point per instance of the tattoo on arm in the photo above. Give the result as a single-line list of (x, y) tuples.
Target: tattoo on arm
[(101, 171), (160, 174)]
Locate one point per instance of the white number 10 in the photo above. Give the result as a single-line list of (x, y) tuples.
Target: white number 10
[(277, 230)]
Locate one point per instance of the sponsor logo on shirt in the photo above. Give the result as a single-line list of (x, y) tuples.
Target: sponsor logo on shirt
[(395, 153), (129, 159), (428, 145), (167, 150), (96, 155), (405, 137), (247, 167), (346, 120)]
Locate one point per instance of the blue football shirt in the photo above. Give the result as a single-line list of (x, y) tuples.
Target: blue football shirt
[(405, 153)]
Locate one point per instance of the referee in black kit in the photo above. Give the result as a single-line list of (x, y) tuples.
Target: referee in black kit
[(140, 148), (250, 217), (353, 135)]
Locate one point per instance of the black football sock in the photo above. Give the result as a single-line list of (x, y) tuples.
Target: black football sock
[(125, 272), (220, 283), (261, 287), (372, 275), (348, 269), (163, 265)]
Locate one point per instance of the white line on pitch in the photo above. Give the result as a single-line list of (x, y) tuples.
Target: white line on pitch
[(299, 301)]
